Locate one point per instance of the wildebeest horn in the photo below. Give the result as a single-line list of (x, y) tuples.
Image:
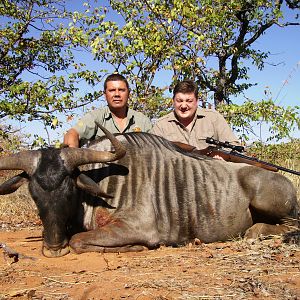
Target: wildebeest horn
[(75, 157), (26, 161), (89, 185), (12, 184)]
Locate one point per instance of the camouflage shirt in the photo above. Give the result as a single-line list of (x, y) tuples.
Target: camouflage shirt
[(87, 129)]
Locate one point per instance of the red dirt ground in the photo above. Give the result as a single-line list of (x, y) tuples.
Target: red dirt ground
[(265, 269)]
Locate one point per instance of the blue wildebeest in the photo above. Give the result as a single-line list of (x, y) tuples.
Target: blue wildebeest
[(155, 194)]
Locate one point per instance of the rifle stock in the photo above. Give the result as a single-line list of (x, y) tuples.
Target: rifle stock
[(234, 156)]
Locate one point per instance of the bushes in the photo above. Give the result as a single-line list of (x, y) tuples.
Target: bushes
[(285, 154)]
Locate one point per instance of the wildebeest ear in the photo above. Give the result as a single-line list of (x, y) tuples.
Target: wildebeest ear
[(90, 186), (12, 184)]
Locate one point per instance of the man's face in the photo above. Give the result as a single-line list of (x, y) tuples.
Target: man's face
[(185, 106), (116, 94)]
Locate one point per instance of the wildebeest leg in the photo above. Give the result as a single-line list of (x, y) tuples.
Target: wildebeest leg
[(119, 237), (273, 205), (262, 229)]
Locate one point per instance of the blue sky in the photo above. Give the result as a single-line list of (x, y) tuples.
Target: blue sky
[(282, 70), (281, 75)]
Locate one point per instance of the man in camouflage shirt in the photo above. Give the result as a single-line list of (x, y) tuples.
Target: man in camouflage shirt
[(117, 117)]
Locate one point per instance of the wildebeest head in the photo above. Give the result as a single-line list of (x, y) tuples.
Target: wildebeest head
[(53, 179)]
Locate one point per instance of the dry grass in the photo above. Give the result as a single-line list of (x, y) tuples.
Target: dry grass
[(17, 209), (286, 155), (293, 165)]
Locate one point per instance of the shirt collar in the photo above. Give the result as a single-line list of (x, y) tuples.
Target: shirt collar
[(200, 112), (130, 114), (108, 114)]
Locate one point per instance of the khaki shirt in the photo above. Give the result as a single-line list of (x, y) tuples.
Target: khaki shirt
[(87, 129), (206, 123)]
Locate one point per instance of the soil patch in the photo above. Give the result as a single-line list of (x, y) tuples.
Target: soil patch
[(260, 269)]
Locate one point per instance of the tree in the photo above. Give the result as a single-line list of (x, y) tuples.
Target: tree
[(124, 45), (38, 70), (41, 74), (210, 41), (207, 40), (281, 121)]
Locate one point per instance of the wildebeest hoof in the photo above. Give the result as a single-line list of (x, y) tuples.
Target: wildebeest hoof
[(55, 253)]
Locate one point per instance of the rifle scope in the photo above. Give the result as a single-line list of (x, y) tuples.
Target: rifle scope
[(225, 144)]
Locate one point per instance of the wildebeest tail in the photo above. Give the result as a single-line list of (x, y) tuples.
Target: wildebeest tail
[(292, 237)]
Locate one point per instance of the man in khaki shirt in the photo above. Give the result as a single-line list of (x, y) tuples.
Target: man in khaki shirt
[(188, 123), (117, 117)]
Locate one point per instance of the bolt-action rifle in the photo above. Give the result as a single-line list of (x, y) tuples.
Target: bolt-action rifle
[(233, 155)]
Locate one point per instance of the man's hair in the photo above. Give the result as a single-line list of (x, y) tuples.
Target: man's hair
[(186, 87), (115, 77)]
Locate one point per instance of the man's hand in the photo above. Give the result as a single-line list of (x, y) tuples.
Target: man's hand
[(218, 157)]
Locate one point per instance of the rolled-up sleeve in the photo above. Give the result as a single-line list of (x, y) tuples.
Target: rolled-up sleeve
[(86, 126)]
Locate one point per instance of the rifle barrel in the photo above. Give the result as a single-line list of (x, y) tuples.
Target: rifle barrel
[(288, 170), (265, 163)]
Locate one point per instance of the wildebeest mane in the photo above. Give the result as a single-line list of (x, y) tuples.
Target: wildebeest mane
[(144, 139)]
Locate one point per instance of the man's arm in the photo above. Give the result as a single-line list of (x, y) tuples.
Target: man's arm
[(71, 138)]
